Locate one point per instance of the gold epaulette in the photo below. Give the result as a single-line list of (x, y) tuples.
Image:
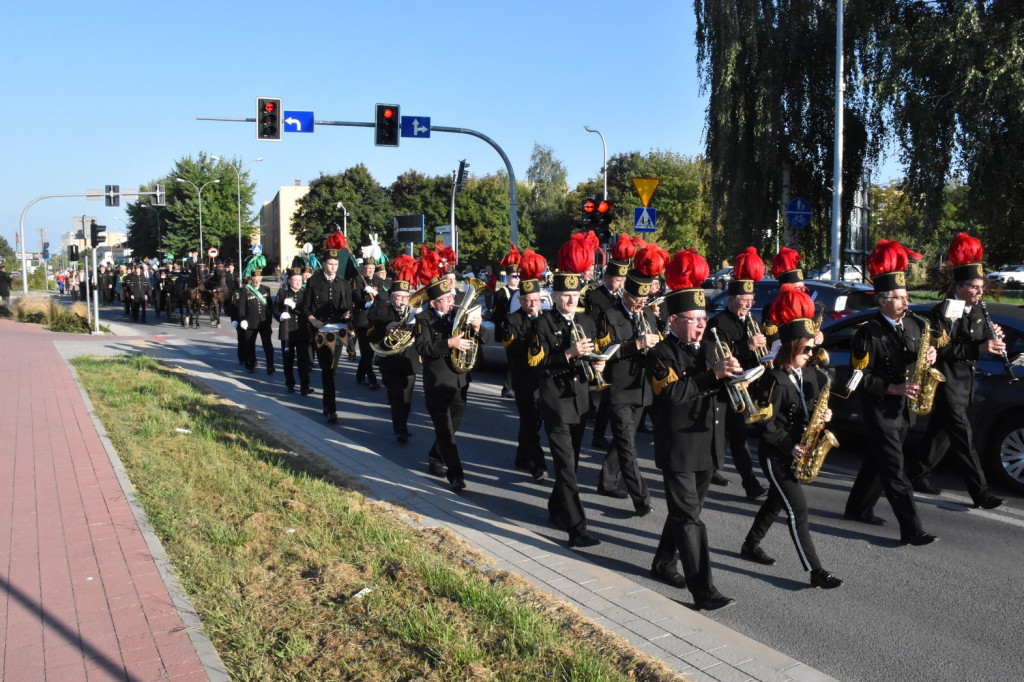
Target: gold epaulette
[(769, 328), (942, 340), (859, 361), (662, 376), (507, 340), (536, 354)]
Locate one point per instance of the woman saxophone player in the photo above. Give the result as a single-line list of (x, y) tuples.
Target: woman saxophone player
[(792, 389)]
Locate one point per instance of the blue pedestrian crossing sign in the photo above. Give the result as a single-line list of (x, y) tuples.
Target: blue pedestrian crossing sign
[(257, 249), (298, 122), (415, 126), (798, 213), (645, 219)]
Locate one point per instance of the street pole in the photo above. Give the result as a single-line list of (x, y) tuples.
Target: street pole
[(455, 241), (604, 164), (238, 191), (344, 219), (199, 191), (42, 240), (95, 293), (837, 156)]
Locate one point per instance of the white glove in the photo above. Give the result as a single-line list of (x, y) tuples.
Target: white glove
[(244, 324), (370, 290), (234, 323), (289, 303), (286, 316)]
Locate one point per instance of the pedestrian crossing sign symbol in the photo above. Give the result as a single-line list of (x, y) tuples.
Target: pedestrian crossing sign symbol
[(645, 219)]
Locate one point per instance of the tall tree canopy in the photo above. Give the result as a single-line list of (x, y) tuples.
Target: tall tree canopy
[(318, 213)]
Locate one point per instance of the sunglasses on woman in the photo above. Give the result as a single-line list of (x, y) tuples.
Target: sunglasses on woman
[(808, 350)]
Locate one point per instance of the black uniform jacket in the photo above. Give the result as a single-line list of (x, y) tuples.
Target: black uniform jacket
[(252, 308), (564, 391), (687, 414), (326, 301), (441, 383), (790, 415), (136, 285), (961, 344), (296, 328), (627, 369), (598, 300), (885, 359), (360, 297), (733, 332), (502, 305), (407, 362), (516, 337)]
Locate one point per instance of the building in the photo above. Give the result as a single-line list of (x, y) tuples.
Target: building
[(279, 247)]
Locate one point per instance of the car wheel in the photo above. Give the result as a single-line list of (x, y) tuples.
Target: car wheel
[(1006, 453)]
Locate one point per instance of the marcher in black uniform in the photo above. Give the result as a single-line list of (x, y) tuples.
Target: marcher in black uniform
[(503, 305), (328, 300), (561, 336), (689, 443), (444, 389), (293, 332), (885, 349), (255, 319), (398, 370), (786, 269), (948, 425), (634, 328), (5, 286), (137, 291), (734, 328), (792, 389), (598, 300), (517, 333), (365, 289)]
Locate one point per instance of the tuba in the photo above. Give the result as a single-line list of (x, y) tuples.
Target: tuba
[(927, 376), (817, 439), (401, 337), (739, 396), (463, 360)]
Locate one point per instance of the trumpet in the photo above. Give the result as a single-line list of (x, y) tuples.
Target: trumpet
[(594, 377), (739, 396), (753, 329)]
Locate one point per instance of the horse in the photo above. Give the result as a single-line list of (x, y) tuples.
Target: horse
[(215, 292), (189, 289)]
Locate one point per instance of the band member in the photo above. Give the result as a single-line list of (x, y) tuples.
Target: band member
[(885, 349), (503, 305), (737, 329), (397, 371), (634, 328), (786, 269), (365, 289), (948, 426), (255, 318), (560, 338), (792, 388), (293, 332), (517, 331), (599, 300), (444, 388), (137, 290), (328, 300), (689, 443)]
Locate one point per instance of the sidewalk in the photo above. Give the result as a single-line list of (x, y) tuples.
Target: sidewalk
[(696, 646)]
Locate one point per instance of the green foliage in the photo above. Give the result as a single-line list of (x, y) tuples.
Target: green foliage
[(318, 214), (7, 253)]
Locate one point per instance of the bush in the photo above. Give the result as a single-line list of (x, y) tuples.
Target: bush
[(48, 312)]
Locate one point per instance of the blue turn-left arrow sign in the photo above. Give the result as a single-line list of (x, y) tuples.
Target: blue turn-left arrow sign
[(298, 122)]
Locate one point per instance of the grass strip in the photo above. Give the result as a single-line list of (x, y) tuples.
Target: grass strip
[(296, 577)]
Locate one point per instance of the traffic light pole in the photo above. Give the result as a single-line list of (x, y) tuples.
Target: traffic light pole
[(513, 204)]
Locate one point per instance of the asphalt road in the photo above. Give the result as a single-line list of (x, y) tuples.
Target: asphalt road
[(943, 612)]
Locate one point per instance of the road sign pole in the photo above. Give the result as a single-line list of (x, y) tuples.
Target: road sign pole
[(95, 291)]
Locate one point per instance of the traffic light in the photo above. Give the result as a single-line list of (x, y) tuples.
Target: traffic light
[(602, 220), (268, 118), (94, 233), (73, 252), (386, 125), (462, 179), (589, 208), (112, 195)]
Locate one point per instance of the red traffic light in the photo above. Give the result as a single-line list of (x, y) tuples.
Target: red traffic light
[(389, 113), (269, 106), (589, 206), (603, 206)]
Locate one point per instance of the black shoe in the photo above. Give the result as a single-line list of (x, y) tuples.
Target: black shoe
[(869, 519), (539, 473), (756, 554), (668, 575), (438, 470), (250, 370), (307, 391), (508, 394), (361, 382), (617, 494), (823, 579), (926, 487), (989, 502), (644, 509), (291, 389), (402, 438), (270, 370), (352, 356), (600, 443), (919, 539), (713, 603), (644, 428), (458, 484), (333, 418), (718, 479), (582, 539), (374, 385), (756, 493)]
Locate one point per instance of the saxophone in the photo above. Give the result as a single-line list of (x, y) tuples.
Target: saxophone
[(463, 360), (817, 439), (925, 375)]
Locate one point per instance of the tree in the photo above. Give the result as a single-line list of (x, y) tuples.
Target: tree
[(547, 201), (412, 192), (7, 254), (482, 218)]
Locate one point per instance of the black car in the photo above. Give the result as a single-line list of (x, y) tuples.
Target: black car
[(853, 296), (996, 413)]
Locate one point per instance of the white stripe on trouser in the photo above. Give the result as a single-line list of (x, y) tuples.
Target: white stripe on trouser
[(789, 515)]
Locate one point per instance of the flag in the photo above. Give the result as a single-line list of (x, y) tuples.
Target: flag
[(17, 239)]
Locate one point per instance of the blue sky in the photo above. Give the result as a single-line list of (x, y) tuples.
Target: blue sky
[(108, 93)]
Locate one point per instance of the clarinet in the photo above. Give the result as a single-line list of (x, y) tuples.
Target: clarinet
[(990, 328)]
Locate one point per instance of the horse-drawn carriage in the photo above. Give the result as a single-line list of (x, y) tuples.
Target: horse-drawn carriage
[(192, 292)]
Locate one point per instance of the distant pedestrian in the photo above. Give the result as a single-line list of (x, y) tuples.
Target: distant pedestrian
[(5, 285)]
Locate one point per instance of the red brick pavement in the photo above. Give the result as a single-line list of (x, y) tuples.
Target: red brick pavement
[(80, 595)]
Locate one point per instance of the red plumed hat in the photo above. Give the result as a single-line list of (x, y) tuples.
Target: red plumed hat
[(336, 241), (512, 260), (531, 266), (429, 265), (887, 265), (575, 257), (623, 251), (404, 267), (784, 266), (647, 264), (793, 311), (684, 275), (965, 255), (448, 257), (749, 268)]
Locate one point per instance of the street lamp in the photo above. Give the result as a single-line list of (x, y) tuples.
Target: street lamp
[(604, 166), (238, 189), (344, 219), (199, 191)]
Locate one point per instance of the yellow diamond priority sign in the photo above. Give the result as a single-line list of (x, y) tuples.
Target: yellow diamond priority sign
[(645, 188)]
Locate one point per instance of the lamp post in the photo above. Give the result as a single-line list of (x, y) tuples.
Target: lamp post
[(344, 219), (604, 166), (199, 191), (238, 190)]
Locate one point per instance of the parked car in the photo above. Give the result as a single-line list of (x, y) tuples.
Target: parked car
[(851, 273), (1011, 273), (997, 410), (839, 298), (718, 280)]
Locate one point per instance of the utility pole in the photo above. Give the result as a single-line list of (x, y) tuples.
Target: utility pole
[(42, 242)]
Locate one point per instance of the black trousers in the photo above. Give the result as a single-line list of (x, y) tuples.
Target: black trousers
[(621, 460), (446, 417), (266, 335), (240, 334), (736, 432), (882, 471), (399, 387), (529, 452), (785, 493), (138, 306), (328, 361), (684, 531), (564, 505), (364, 371), (949, 429), (601, 414), (295, 352)]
